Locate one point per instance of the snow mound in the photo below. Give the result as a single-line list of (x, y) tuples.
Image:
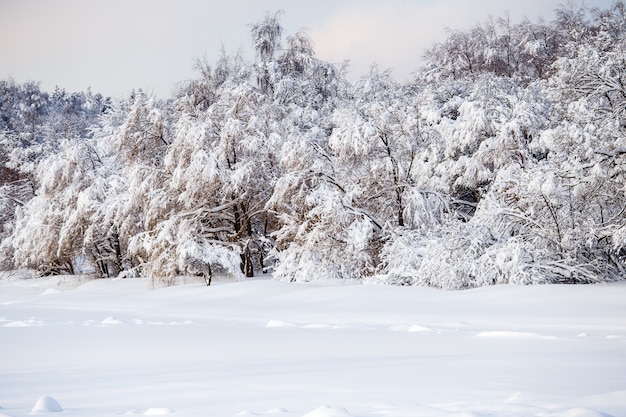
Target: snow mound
[(23, 323), (500, 334), (278, 410), (111, 320), (581, 412), (328, 411), (416, 328), (51, 291), (19, 323), (47, 405), (470, 414), (413, 328), (156, 411), (247, 413), (318, 326), (280, 323)]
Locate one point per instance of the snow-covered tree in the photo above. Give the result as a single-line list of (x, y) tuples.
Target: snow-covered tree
[(503, 161), (35, 127), (49, 228)]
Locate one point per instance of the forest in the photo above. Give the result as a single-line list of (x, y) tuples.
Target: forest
[(503, 160)]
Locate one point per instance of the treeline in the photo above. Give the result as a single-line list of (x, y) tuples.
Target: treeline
[(503, 161)]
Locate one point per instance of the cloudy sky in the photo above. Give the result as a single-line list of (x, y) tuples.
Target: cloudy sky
[(114, 46)]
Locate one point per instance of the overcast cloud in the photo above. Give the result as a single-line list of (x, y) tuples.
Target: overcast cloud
[(114, 46)]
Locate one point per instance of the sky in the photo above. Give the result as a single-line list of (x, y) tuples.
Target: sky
[(115, 46)]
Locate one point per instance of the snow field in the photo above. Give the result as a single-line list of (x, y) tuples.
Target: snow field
[(265, 348)]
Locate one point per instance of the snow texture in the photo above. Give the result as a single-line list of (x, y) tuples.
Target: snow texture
[(266, 348)]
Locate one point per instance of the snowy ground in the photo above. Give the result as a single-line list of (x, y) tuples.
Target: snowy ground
[(117, 347)]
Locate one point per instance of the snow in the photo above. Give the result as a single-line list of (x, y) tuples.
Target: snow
[(156, 411), (266, 348), (328, 411), (47, 405)]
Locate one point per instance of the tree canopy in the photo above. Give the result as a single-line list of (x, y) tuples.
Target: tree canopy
[(502, 161)]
